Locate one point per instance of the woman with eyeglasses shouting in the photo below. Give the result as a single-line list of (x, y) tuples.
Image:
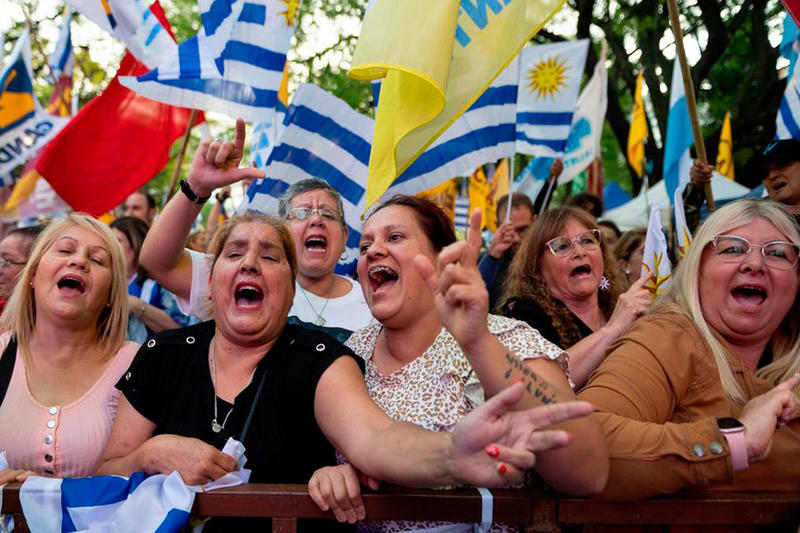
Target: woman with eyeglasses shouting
[(565, 283), (702, 390), (314, 213)]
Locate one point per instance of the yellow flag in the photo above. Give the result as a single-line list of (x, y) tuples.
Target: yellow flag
[(480, 193), (443, 195), (638, 132), (725, 152), (23, 188), (436, 59), (501, 181)]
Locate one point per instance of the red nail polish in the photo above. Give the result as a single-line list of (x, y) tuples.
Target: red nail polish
[(502, 468), (493, 450), (518, 380)]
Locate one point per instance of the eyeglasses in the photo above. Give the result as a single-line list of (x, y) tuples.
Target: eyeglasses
[(589, 240), (5, 263), (777, 254), (303, 213)]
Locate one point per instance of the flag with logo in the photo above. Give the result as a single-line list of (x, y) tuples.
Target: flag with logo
[(323, 138), (725, 151), (444, 195), (682, 233), (655, 260), (436, 59), (24, 125), (479, 194), (107, 503), (638, 132), (549, 83), (133, 23), (679, 136), (234, 65)]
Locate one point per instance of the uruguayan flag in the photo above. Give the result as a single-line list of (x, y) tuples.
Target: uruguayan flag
[(265, 135), (106, 503), (679, 136), (234, 65), (62, 60), (132, 22), (461, 218), (323, 138), (787, 123), (549, 81), (484, 133)]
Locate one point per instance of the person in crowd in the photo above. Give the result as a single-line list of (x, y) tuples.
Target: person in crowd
[(494, 263), (565, 284), (151, 308), (15, 248), (285, 391), (703, 390), (426, 367), (777, 167), (198, 240), (315, 217), (611, 234), (62, 352), (629, 252), (587, 201), (140, 204)]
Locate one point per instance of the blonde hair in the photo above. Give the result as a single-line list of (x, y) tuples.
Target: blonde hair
[(683, 294), (525, 273), (112, 324)]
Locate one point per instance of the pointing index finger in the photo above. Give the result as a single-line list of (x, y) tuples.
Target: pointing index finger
[(238, 141), (474, 237)]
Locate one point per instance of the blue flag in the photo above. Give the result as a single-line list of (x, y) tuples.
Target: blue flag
[(679, 136)]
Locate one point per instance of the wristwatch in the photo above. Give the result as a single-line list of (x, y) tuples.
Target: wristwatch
[(733, 431), (191, 195)]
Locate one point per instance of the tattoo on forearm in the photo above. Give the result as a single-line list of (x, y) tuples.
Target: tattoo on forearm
[(534, 384)]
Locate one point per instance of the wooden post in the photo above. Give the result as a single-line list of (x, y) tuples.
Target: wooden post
[(688, 88), (177, 171)]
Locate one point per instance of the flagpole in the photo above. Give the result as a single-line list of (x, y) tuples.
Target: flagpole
[(178, 164), (38, 45), (688, 88)]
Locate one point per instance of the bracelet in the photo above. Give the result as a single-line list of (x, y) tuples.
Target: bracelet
[(191, 195)]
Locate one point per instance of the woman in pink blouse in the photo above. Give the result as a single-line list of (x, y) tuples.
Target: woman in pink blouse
[(62, 352)]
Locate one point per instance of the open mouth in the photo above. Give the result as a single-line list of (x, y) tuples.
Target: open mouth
[(71, 283), (380, 276), (749, 294), (248, 295), (316, 244), (580, 271), (778, 186)]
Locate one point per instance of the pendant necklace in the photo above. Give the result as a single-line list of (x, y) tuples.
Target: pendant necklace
[(215, 426), (320, 321)]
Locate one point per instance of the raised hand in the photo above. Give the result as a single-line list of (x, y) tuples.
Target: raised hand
[(493, 446), (764, 413), (196, 461), (700, 174), (338, 489), (459, 291), (216, 163), (503, 239)]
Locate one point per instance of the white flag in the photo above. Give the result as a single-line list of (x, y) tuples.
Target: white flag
[(655, 260)]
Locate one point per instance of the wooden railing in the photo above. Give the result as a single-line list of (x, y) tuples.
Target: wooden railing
[(536, 511)]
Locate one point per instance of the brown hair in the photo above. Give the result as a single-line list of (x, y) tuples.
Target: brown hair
[(432, 219), (135, 230), (525, 277), (628, 243)]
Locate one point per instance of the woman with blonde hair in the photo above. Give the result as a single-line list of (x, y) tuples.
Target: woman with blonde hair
[(699, 392), (62, 351), (566, 284)]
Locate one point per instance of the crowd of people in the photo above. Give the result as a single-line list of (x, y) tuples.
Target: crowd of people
[(442, 363)]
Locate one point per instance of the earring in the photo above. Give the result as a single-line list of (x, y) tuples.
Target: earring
[(605, 283)]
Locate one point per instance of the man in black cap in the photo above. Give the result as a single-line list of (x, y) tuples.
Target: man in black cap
[(778, 168)]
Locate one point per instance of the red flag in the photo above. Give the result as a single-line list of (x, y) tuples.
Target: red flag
[(793, 7), (594, 181), (114, 145)]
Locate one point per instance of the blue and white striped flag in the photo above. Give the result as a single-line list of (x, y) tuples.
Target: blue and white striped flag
[(787, 123), (549, 83), (106, 503), (679, 136), (62, 60), (483, 134), (326, 139), (132, 22), (461, 218), (234, 65)]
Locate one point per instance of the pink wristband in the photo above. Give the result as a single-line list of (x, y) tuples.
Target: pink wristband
[(738, 449)]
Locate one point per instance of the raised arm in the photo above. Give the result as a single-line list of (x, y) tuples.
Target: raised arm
[(462, 302), (215, 164)]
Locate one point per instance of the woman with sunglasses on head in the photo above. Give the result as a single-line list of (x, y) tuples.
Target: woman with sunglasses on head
[(314, 214), (565, 284), (702, 390)]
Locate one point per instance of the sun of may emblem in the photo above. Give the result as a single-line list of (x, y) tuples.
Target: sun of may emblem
[(292, 7), (547, 77)]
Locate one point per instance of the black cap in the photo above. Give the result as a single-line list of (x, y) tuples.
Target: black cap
[(781, 152)]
